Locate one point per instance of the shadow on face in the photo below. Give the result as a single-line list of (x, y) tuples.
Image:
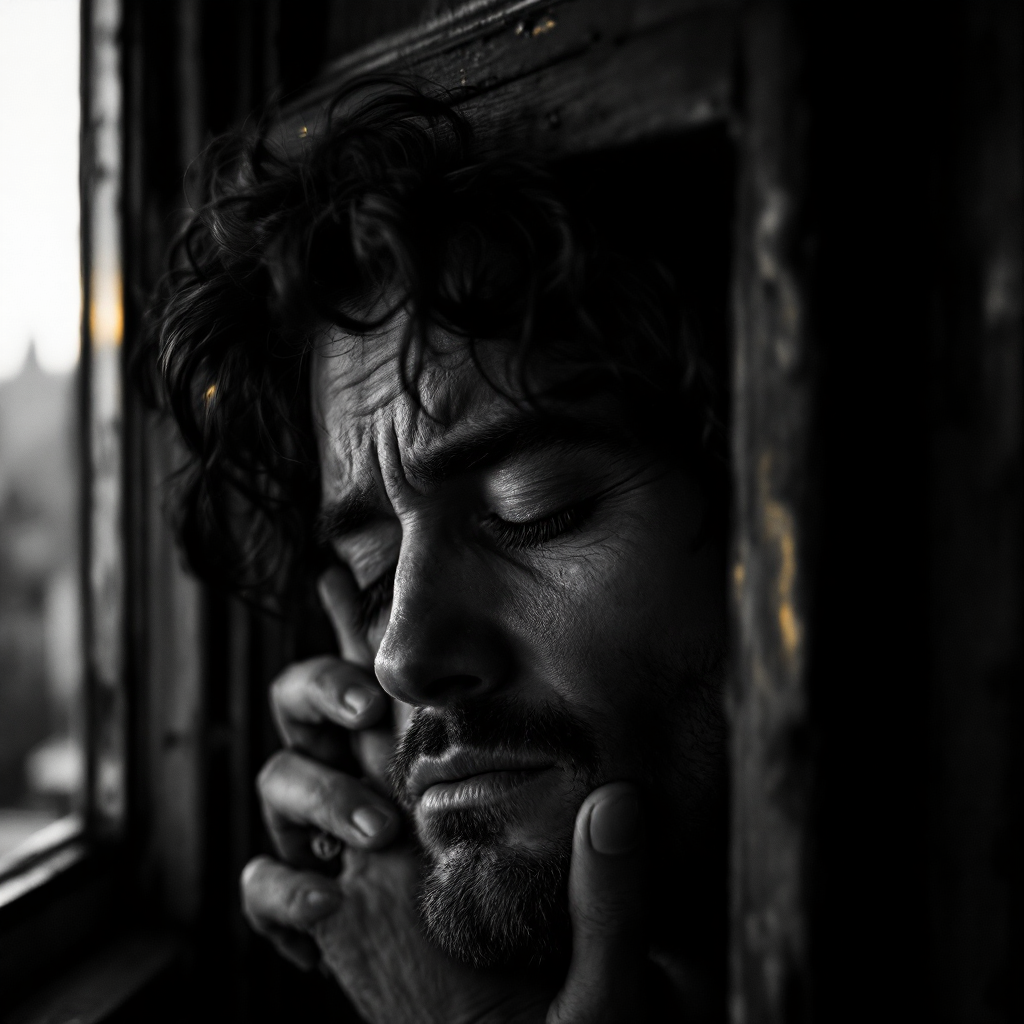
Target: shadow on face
[(534, 589)]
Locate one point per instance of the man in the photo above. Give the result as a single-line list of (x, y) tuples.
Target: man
[(490, 411)]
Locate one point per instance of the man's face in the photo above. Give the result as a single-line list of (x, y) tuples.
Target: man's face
[(552, 624)]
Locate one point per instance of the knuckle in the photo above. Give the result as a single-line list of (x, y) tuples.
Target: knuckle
[(328, 789), (277, 688), (250, 873), (293, 905), (253, 878), (325, 671), (273, 771), (282, 684), (296, 677)]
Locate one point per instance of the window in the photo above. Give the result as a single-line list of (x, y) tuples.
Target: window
[(63, 781), (42, 722)]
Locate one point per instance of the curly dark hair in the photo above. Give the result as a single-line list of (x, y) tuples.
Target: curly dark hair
[(390, 200)]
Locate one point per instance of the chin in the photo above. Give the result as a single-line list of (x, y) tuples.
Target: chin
[(488, 900), (488, 904)]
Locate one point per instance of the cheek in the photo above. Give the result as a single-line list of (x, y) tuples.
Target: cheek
[(609, 631), (579, 624), (613, 595)]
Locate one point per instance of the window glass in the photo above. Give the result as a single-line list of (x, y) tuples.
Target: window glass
[(41, 684)]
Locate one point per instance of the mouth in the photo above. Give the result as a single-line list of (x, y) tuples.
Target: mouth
[(469, 778)]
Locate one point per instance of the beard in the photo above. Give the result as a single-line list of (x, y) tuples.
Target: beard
[(481, 900), (487, 902)]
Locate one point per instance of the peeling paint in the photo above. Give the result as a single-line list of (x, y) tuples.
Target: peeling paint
[(779, 528), (530, 30), (771, 228)]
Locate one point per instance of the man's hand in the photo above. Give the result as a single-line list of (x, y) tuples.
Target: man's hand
[(363, 925), (310, 807)]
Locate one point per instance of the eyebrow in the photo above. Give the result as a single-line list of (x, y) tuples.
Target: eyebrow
[(483, 447), (454, 455)]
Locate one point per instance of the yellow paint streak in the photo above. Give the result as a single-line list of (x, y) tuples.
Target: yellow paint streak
[(106, 311), (779, 528), (210, 392), (545, 26)]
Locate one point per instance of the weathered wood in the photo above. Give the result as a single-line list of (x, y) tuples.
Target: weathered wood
[(102, 330), (772, 399), (562, 78)]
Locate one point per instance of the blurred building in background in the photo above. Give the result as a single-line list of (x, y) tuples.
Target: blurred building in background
[(40, 299), (40, 660)]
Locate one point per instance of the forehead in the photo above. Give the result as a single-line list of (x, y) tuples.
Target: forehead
[(368, 424)]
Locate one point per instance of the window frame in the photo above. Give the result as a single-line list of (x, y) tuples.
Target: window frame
[(68, 874)]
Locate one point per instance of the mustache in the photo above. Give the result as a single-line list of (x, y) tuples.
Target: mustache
[(502, 725)]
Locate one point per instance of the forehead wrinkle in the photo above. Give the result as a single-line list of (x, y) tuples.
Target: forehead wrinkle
[(355, 389), (446, 398)]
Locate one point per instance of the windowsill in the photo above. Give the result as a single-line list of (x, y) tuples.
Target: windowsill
[(95, 988), (46, 854)]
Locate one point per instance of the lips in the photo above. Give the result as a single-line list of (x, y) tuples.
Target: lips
[(471, 773)]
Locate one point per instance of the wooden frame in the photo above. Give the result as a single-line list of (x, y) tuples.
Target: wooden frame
[(63, 892), (571, 77)]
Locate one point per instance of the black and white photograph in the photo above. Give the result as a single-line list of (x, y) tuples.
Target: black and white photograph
[(511, 512)]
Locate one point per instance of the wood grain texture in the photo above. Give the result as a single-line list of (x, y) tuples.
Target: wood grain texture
[(560, 78), (102, 423), (772, 400)]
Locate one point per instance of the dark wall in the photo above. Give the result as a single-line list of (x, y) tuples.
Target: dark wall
[(915, 129)]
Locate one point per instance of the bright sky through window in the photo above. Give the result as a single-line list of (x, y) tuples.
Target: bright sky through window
[(40, 278)]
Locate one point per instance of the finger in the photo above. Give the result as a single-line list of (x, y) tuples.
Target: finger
[(311, 697), (373, 749), (283, 904), (606, 909), (299, 795), (339, 595)]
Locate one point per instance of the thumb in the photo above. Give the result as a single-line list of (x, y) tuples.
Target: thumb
[(607, 912)]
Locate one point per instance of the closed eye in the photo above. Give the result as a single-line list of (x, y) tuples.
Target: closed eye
[(535, 532)]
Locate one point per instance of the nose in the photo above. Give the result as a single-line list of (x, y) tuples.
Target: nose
[(444, 642)]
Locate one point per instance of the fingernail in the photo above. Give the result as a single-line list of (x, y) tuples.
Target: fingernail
[(323, 900), (615, 824), (370, 821), (357, 700)]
